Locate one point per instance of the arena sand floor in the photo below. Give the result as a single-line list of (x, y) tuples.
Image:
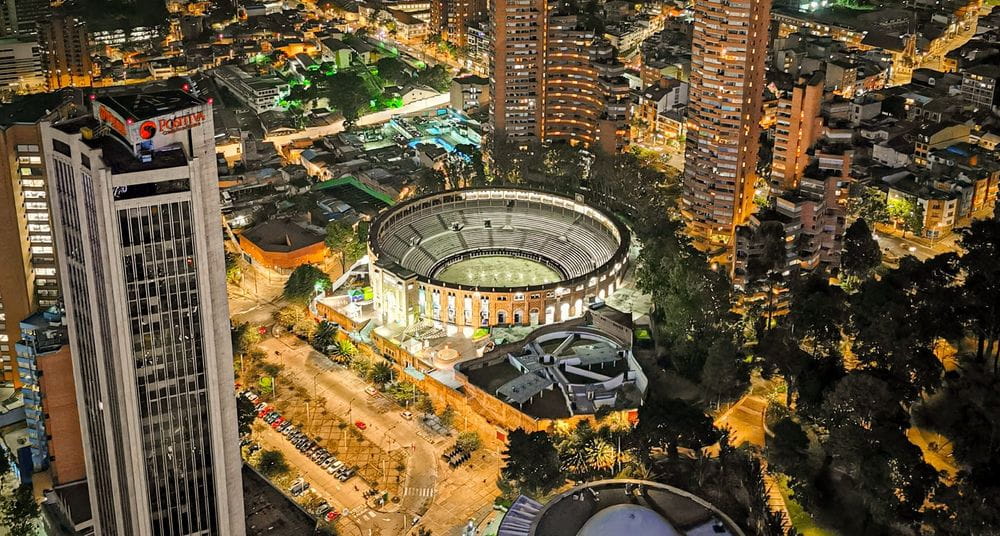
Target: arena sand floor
[(498, 271)]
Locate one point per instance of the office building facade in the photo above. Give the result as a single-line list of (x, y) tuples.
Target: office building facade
[(136, 203), (18, 17), (727, 72), (20, 66)]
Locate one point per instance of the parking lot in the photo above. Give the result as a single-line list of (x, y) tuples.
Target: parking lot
[(309, 384)]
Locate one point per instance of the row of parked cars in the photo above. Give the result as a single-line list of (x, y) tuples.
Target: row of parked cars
[(307, 446), (323, 510)]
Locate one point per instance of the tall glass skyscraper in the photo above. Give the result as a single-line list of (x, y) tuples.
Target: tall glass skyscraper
[(139, 240)]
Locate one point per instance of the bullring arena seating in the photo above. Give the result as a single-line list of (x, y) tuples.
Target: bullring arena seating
[(569, 240)]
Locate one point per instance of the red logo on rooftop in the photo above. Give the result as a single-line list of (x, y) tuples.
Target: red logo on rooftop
[(147, 130)]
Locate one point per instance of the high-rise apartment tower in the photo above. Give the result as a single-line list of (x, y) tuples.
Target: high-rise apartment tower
[(139, 241), (727, 78), (451, 18), (552, 80), (28, 274), (65, 52), (799, 125)]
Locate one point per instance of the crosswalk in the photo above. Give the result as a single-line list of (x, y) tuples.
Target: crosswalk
[(419, 492), (365, 514)]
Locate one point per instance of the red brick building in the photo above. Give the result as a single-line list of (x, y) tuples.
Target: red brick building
[(282, 245)]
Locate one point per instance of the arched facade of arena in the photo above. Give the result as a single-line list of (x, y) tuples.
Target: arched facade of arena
[(411, 243)]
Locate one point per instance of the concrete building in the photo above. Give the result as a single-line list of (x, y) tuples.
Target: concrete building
[(958, 184), (136, 203), (259, 93), (797, 128), (409, 25), (46, 371), (552, 81), (451, 18), (619, 507), (336, 51), (282, 245), (477, 41), (809, 220), (659, 117), (724, 112), (469, 92), (20, 66), (572, 370), (979, 86), (936, 136), (29, 274), (65, 50), (18, 17)]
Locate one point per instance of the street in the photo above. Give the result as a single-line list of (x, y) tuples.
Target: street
[(899, 247)]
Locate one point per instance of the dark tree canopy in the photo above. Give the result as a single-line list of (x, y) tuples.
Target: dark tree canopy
[(981, 286), (861, 255), (304, 282), (19, 511), (672, 423), (531, 462), (272, 463), (347, 92), (393, 70), (245, 414)]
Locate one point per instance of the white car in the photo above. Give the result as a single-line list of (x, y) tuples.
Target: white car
[(333, 468), (371, 391), (406, 415)]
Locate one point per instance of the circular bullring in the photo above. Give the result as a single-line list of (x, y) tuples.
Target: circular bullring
[(482, 257)]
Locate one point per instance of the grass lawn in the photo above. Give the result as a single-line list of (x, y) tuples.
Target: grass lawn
[(801, 520)]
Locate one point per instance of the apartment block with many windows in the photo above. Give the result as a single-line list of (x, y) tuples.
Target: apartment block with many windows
[(727, 75), (29, 275), (553, 80)]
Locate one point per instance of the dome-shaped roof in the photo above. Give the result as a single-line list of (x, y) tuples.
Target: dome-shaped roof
[(629, 519)]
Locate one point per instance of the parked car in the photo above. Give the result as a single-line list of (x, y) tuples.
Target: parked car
[(336, 466), (299, 488), (322, 509), (260, 407), (360, 424), (278, 422), (406, 415), (347, 474), (332, 516), (371, 391)]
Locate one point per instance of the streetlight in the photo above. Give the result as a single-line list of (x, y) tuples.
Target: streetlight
[(350, 406)]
